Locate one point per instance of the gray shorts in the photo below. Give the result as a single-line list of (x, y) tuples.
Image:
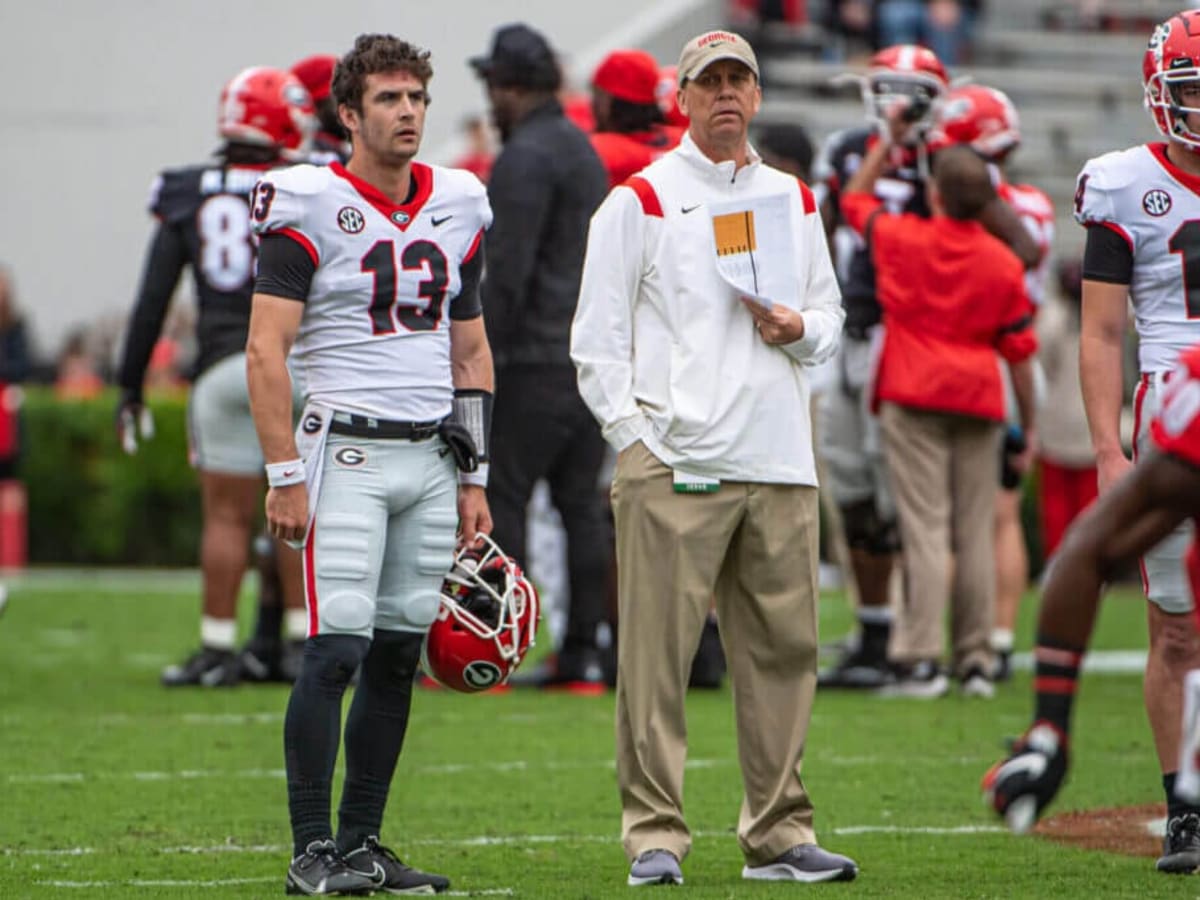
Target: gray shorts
[(850, 442), (1163, 578), (221, 435), (383, 536)]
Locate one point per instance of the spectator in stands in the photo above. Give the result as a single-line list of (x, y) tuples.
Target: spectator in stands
[(851, 28), (1067, 460), (947, 27), (954, 304), (545, 185)]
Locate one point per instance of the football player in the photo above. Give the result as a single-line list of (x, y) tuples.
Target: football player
[(371, 271), (986, 119), (331, 142), (265, 118), (1141, 209), (849, 437)]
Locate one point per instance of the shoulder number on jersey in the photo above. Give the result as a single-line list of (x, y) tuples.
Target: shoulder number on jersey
[(386, 309)]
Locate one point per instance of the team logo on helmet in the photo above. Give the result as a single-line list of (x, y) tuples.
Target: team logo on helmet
[(401, 218), (482, 674), (1156, 202), (350, 220)]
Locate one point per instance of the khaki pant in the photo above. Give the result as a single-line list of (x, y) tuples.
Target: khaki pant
[(755, 547), (944, 471)]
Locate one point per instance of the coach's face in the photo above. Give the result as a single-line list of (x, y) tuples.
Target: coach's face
[(393, 116), (719, 103)]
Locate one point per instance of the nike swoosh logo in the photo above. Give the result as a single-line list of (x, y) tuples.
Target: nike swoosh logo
[(687, 209), (436, 221), (379, 876), (290, 472)]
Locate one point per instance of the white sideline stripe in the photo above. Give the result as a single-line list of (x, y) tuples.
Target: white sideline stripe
[(158, 882), (439, 769), (490, 840)]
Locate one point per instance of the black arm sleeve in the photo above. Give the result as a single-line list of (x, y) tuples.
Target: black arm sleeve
[(284, 268), (164, 263), (467, 304), (1107, 256)]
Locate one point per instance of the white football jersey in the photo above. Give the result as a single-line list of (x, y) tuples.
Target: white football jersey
[(1036, 212), (375, 336), (1155, 206)]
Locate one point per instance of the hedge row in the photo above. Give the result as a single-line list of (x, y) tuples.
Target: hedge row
[(90, 503)]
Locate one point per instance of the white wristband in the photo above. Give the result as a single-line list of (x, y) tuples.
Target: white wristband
[(283, 474), (479, 477)]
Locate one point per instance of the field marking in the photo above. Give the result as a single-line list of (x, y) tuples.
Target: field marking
[(1103, 662), (490, 840), (227, 882)]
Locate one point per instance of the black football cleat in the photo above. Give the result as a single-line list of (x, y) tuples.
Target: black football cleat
[(207, 667), (321, 871), (390, 874), (1020, 787)]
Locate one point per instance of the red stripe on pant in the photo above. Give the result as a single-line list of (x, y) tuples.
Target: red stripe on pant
[(1139, 399), (310, 579)]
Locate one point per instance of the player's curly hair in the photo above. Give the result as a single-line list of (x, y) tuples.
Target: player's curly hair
[(372, 54)]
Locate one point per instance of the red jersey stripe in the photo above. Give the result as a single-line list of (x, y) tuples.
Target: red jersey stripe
[(474, 245), (806, 194), (302, 239), (1116, 229), (645, 192)]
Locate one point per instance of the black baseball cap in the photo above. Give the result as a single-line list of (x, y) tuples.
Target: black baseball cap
[(520, 57)]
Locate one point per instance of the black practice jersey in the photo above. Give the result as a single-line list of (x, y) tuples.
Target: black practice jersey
[(204, 223), (901, 188)]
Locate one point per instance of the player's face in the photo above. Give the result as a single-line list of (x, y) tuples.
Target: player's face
[(392, 119), (720, 102), (1188, 94)]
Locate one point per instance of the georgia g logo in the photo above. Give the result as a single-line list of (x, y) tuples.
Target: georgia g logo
[(350, 220), (481, 674)]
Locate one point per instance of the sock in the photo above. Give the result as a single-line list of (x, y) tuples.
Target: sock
[(876, 625), (311, 730), (1056, 678), (295, 625), (1002, 640), (375, 731), (218, 634), (1175, 806)]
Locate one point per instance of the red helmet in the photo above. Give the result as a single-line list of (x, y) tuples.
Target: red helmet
[(980, 116), (667, 93), (266, 107), (486, 622), (905, 72), (1172, 58)]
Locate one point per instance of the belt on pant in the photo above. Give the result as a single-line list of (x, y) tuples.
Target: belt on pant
[(354, 425)]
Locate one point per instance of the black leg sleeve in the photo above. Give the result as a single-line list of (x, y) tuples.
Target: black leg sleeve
[(375, 733), (311, 728)]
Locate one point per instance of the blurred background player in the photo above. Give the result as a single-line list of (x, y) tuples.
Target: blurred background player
[(330, 143), (986, 120), (544, 186), (1156, 496), (630, 132), (849, 438), (266, 118)]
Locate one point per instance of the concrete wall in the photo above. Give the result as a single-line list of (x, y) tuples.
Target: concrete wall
[(100, 95)]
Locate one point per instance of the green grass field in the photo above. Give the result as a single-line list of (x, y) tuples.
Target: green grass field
[(111, 786)]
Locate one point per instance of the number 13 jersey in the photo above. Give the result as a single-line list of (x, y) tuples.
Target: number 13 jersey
[(375, 336), (1155, 206)]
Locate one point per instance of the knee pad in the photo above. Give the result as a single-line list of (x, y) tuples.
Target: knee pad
[(866, 530), (330, 659)]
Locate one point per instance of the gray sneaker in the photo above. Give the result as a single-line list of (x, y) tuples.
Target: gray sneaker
[(320, 870), (655, 867), (805, 862)]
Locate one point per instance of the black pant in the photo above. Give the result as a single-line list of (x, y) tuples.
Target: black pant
[(542, 429)]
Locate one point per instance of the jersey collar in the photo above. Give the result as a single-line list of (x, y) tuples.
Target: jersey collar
[(403, 215), (1189, 181)]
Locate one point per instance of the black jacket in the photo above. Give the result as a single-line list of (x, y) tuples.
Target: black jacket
[(544, 187)]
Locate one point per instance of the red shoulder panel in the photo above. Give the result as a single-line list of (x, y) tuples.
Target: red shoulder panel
[(645, 192)]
